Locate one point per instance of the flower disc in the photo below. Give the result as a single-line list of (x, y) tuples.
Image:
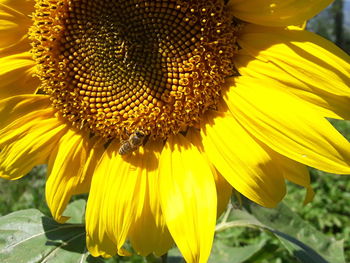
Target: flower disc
[(114, 67)]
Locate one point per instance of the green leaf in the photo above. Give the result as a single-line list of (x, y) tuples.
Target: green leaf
[(299, 237), (27, 236), (223, 253), (76, 211)]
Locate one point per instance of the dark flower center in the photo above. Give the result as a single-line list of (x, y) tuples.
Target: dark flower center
[(114, 67)]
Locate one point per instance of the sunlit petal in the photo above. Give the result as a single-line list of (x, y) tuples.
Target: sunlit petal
[(149, 232), (277, 12), (244, 162), (188, 198), (298, 132), (112, 206)]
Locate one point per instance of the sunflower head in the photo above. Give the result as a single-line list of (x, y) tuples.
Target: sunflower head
[(115, 67), (220, 94)]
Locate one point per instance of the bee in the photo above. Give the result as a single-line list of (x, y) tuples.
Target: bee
[(135, 140)]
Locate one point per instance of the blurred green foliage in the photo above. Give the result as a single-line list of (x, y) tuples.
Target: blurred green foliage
[(27, 192), (329, 213)]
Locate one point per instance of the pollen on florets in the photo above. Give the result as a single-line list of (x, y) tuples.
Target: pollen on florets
[(114, 67)]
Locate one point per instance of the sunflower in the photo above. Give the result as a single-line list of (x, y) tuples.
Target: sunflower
[(158, 109)]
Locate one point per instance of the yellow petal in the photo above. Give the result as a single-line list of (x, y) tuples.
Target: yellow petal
[(25, 124), (149, 233), (299, 174), (188, 198), (22, 7), (326, 103), (244, 162), (14, 24), (298, 27), (12, 109), (303, 55), (67, 166), (288, 125), (16, 75), (21, 121), (23, 149), (277, 13), (223, 188), (95, 151), (111, 208)]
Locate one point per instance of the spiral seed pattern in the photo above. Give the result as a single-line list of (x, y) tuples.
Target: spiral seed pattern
[(113, 67)]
